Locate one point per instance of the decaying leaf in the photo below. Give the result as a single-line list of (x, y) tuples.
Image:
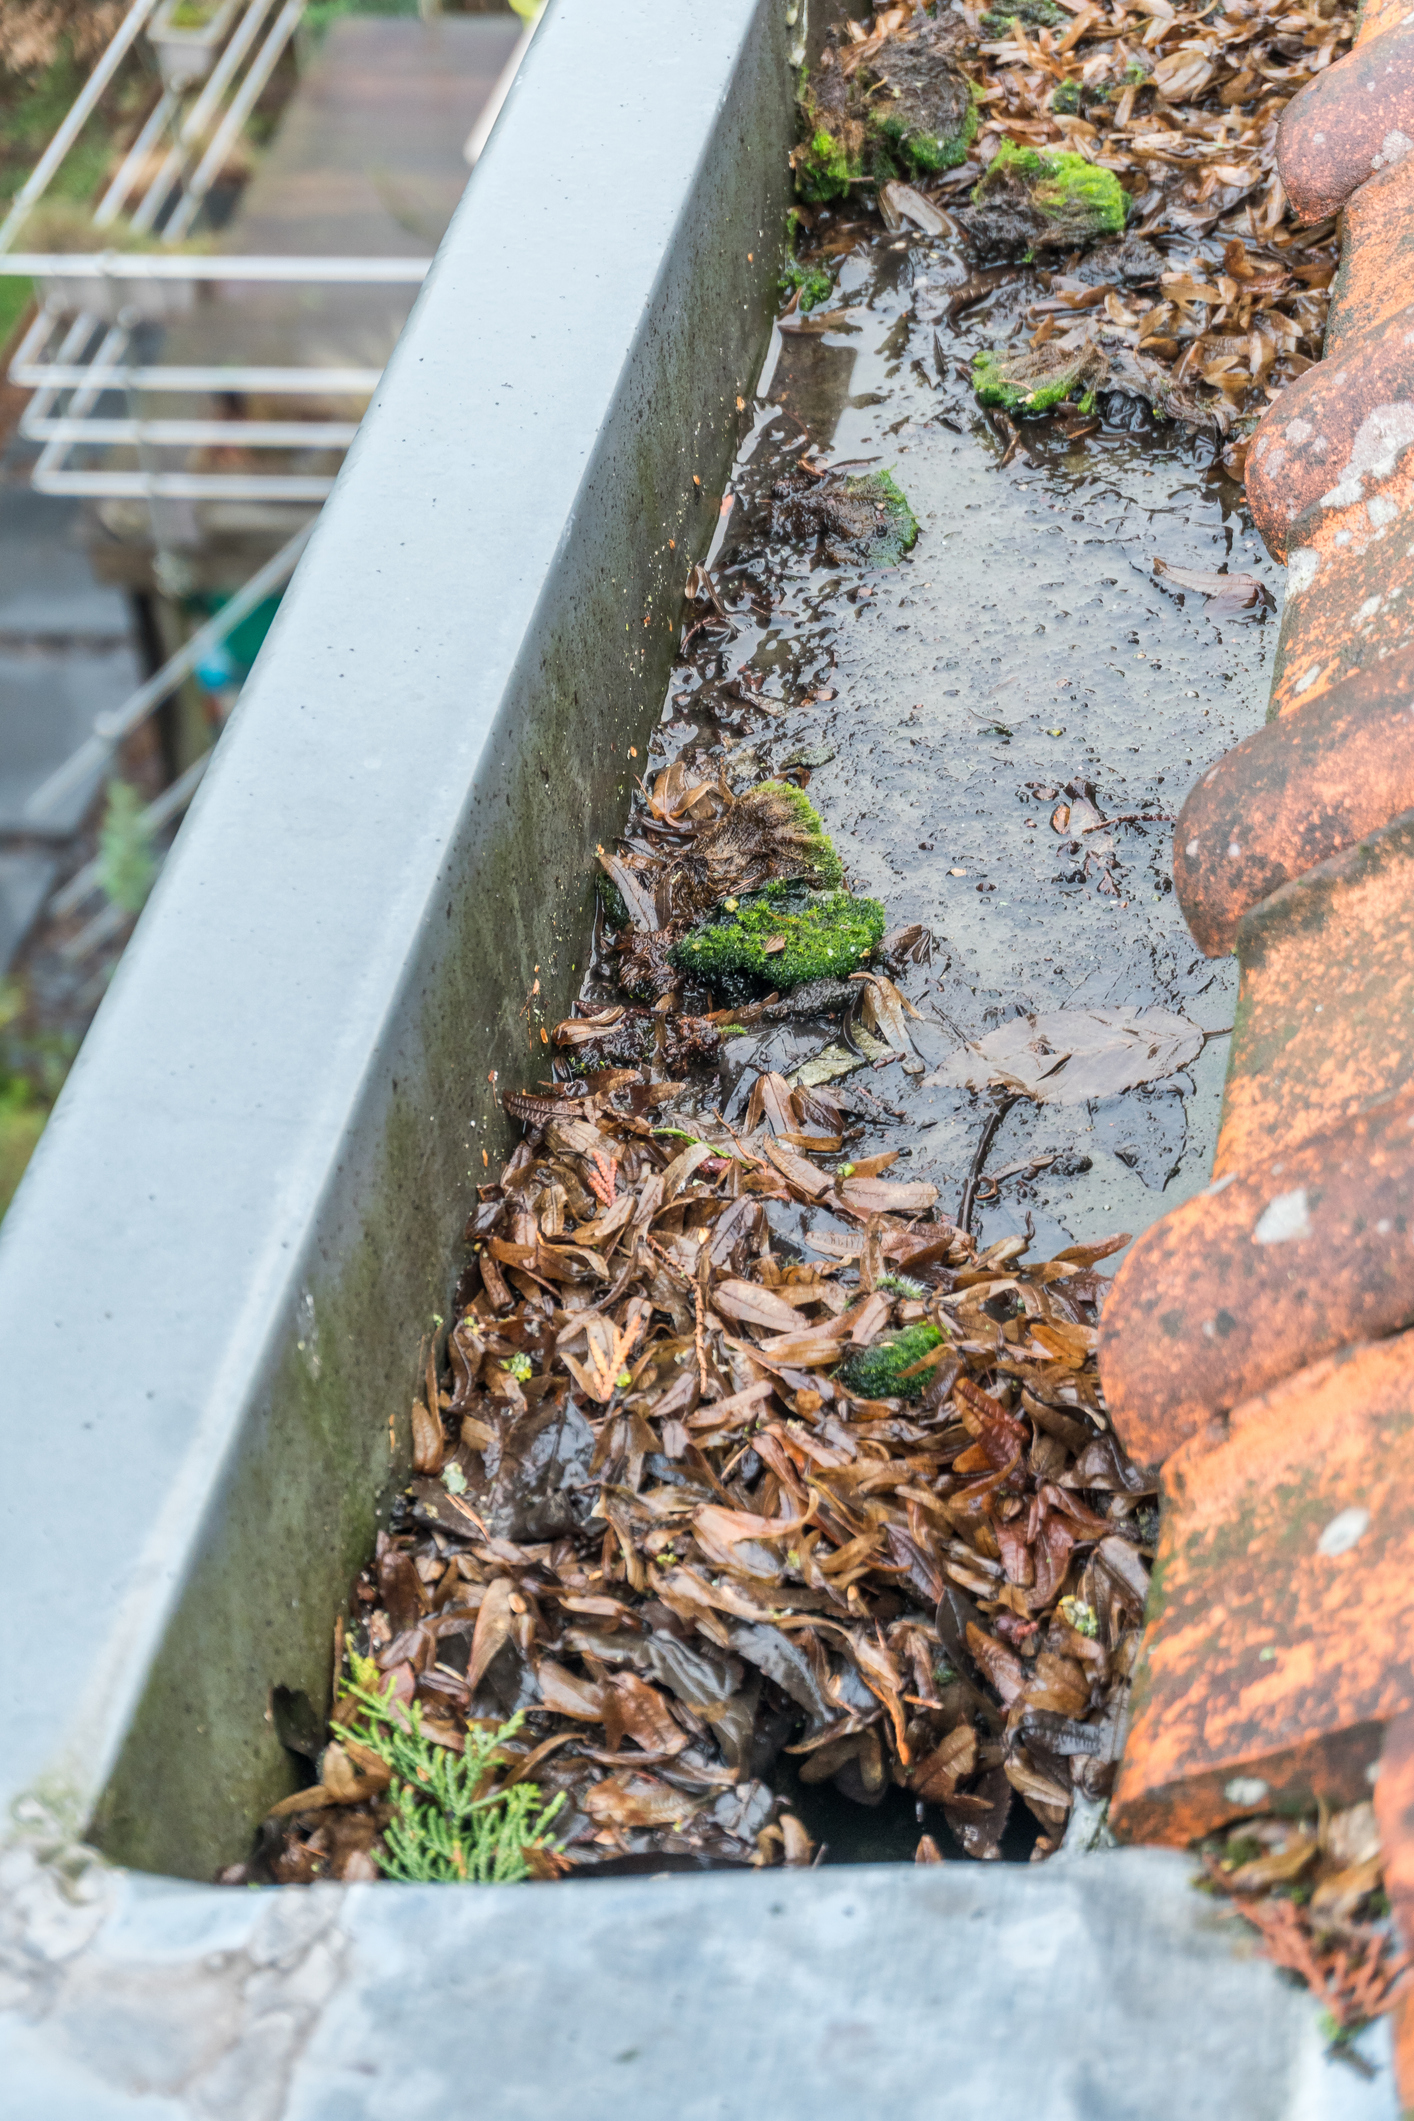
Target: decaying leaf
[(1068, 1056), (1225, 592)]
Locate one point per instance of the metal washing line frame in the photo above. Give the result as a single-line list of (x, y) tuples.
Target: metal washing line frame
[(79, 355)]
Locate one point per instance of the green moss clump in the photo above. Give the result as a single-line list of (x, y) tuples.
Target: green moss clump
[(1066, 100), (880, 1372), (616, 913), (922, 152), (817, 935), (1063, 188), (816, 854), (1036, 14), (1026, 382), (825, 168), (898, 525), (814, 283), (909, 110)]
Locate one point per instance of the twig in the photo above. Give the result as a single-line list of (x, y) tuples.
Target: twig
[(969, 1192)]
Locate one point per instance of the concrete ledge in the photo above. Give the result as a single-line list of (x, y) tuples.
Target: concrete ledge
[(249, 1198), (1097, 1989)]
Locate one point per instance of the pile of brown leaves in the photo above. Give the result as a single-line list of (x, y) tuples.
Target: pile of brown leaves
[(1313, 1890), (1182, 103), (649, 1512)]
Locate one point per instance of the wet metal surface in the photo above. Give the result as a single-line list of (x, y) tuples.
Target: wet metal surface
[(1023, 645)]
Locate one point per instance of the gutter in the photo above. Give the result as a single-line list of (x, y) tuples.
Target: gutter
[(255, 1179)]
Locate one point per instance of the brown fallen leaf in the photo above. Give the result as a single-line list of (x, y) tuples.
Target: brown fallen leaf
[(428, 1443), (566, 1694), (1336, 1898), (638, 1800), (1069, 1056), (493, 1629), (1237, 591), (935, 1779), (900, 202), (757, 1306)]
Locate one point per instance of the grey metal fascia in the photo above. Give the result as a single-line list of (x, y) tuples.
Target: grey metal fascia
[(213, 1278)]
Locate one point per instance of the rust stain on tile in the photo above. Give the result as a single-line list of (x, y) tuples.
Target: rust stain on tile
[(1259, 1277), (1352, 121), (1324, 1025), (1347, 607), (1331, 442), (1394, 1815), (1377, 257), (1293, 794), (1282, 1604)]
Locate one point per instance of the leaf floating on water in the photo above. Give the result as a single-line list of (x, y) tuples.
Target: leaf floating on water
[(1231, 592), (1068, 1056)]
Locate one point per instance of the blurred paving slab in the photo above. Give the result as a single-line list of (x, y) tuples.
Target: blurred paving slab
[(25, 880), (367, 163), (47, 586)]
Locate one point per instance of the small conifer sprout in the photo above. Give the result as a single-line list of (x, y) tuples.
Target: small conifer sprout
[(902, 1285), (126, 868), (454, 1822)]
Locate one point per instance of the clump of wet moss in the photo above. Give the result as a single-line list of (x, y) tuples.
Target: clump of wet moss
[(910, 132), (1036, 14), (616, 913), (908, 110), (1066, 190), (768, 836), (871, 513), (896, 531), (883, 1371), (780, 937), (826, 163), (813, 281), (811, 847), (1037, 379), (1029, 202)]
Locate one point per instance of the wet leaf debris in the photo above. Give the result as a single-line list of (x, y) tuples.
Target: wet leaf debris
[(1313, 1889), (704, 1520), (1126, 157), (701, 1521)]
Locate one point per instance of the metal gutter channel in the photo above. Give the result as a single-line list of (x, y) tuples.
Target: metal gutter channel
[(254, 1182)]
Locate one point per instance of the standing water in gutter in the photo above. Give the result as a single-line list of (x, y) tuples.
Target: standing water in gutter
[(764, 1504)]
